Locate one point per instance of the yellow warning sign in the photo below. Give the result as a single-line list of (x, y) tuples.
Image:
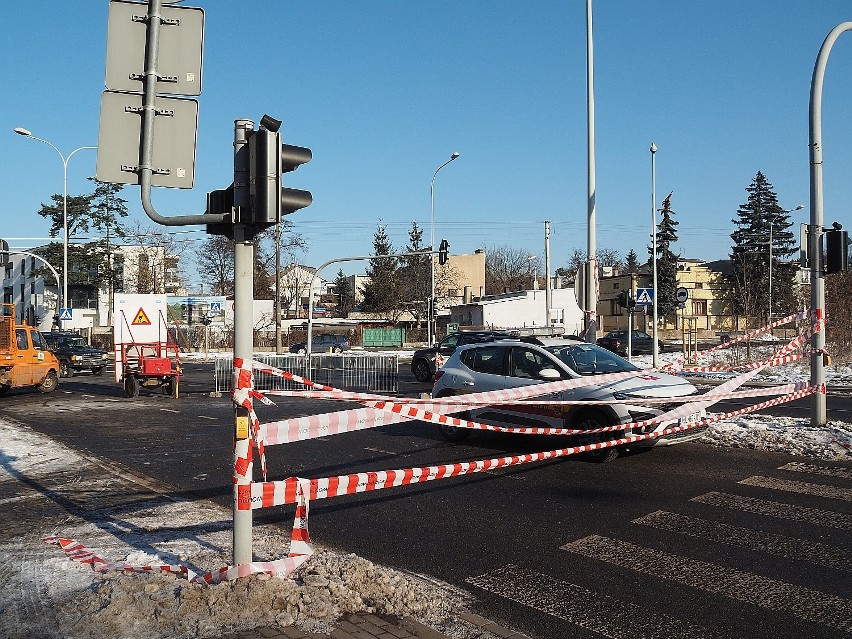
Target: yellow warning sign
[(141, 318)]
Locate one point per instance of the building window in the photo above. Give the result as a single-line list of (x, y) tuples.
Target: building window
[(699, 307)]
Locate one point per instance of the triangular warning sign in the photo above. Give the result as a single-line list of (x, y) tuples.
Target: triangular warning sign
[(643, 297), (141, 318)]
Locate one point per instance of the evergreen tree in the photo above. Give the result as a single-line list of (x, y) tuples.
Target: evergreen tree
[(414, 274), (345, 297), (761, 222), (381, 292), (665, 295), (631, 264)]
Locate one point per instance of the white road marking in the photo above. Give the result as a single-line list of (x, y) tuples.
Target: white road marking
[(207, 417), (828, 471), (594, 611), (169, 410), (757, 540), (805, 488), (805, 603), (777, 509)]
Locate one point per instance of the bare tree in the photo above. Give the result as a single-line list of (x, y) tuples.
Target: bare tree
[(506, 269), (215, 260)]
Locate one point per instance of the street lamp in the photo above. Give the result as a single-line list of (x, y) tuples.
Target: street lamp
[(64, 159), (771, 226), (431, 303), (655, 348)]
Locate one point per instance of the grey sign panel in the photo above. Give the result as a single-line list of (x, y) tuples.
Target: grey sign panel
[(175, 129), (179, 55)]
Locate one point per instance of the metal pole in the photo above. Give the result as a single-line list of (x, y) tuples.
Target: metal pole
[(243, 336), (818, 408), (548, 292), (771, 227), (592, 275), (277, 289), (655, 347), (430, 304)]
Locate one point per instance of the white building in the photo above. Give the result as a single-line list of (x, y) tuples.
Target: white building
[(522, 309)]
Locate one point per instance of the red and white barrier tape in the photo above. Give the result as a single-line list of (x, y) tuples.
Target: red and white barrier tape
[(300, 551)]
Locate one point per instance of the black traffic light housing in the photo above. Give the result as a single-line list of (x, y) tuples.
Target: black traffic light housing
[(836, 250), (443, 252), (623, 299)]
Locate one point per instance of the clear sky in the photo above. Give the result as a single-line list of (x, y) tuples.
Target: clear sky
[(384, 91)]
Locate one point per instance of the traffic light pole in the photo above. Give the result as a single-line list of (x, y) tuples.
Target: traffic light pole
[(243, 335), (818, 409)]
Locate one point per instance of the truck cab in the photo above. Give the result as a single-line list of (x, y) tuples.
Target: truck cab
[(25, 359)]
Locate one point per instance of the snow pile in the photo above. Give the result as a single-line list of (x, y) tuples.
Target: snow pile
[(783, 435)]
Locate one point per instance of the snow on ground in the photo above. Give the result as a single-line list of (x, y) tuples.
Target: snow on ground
[(49, 596)]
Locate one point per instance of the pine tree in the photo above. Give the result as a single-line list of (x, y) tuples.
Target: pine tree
[(665, 295), (345, 298), (414, 274), (759, 223), (381, 292), (631, 263)]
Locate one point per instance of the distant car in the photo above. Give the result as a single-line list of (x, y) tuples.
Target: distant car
[(642, 343), (323, 343), (423, 362), (510, 364), (75, 354)]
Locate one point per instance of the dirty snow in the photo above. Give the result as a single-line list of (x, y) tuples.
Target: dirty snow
[(48, 596)]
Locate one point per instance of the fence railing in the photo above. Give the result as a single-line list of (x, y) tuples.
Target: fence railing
[(361, 372)]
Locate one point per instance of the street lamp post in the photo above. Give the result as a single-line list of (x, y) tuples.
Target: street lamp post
[(655, 348), (431, 302), (65, 159), (771, 227)]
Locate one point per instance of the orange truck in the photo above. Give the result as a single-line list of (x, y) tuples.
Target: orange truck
[(25, 359)]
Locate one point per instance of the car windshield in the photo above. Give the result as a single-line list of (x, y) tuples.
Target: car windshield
[(588, 359), (74, 342)]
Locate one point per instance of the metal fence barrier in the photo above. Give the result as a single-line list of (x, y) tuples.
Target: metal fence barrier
[(358, 372)]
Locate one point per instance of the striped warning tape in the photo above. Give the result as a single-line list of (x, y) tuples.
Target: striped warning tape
[(300, 551)]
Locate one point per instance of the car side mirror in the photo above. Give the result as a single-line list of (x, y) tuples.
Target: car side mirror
[(549, 373)]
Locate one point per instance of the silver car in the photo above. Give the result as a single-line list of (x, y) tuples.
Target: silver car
[(509, 364)]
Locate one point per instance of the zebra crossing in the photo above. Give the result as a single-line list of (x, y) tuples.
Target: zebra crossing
[(818, 543)]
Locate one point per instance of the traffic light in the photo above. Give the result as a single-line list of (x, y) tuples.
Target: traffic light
[(269, 158), (623, 300), (443, 252), (836, 250)]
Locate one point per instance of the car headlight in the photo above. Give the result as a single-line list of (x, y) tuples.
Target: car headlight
[(74, 358), (622, 397)]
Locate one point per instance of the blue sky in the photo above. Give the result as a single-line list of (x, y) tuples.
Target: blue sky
[(384, 91)]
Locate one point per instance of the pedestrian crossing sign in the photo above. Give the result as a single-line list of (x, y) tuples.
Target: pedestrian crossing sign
[(64, 314), (644, 296)]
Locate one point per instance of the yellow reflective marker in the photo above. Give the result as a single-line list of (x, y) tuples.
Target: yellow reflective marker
[(242, 427)]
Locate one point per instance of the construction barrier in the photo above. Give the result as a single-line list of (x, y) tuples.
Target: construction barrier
[(379, 410)]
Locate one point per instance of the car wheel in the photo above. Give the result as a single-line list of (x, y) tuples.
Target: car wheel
[(421, 370), (131, 386), (589, 420), (98, 370), (454, 433), (337, 350), (4, 388), (65, 369), (301, 351), (50, 383)]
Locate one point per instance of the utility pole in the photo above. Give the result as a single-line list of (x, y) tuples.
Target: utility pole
[(548, 300)]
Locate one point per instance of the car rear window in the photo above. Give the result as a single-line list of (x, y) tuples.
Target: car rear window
[(488, 359), (588, 359)]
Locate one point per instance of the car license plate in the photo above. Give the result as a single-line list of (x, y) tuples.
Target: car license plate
[(689, 419)]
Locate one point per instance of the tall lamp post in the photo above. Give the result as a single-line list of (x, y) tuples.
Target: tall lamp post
[(65, 160), (655, 349), (771, 227), (431, 301)]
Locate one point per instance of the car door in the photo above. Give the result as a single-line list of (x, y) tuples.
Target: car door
[(22, 373), (41, 365), (524, 366), (642, 342)]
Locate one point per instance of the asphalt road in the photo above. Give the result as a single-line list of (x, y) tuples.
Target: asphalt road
[(690, 541)]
